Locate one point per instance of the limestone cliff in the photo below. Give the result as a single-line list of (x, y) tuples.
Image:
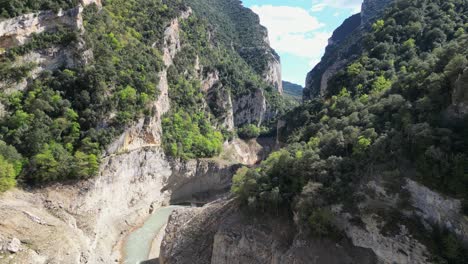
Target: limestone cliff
[(218, 233), (18, 31)]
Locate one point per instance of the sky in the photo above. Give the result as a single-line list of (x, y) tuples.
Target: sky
[(299, 29)]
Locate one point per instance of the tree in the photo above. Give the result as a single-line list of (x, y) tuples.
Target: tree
[(249, 131), (378, 25), (7, 174)]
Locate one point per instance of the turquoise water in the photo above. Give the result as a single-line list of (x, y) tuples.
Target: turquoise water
[(138, 243)]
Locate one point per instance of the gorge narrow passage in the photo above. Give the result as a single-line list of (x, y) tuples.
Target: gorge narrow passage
[(138, 244)]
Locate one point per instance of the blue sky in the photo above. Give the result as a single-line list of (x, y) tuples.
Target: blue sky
[(299, 29)]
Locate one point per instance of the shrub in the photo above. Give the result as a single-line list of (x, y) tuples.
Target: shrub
[(321, 223), (249, 131), (7, 174)]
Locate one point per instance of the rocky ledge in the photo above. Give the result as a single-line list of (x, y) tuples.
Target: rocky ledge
[(220, 234)]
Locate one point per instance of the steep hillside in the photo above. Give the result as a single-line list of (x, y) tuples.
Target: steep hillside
[(292, 91), (344, 44), (392, 119), (109, 110), (379, 159), (73, 81), (238, 27)]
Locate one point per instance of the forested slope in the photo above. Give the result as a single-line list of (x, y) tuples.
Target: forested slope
[(397, 111), (103, 74)]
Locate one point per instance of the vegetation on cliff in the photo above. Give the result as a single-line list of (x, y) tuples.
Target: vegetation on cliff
[(193, 127), (12, 8), (65, 118), (391, 112), (293, 92)]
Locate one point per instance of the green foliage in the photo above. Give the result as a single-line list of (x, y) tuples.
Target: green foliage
[(236, 27), (7, 175), (190, 135), (381, 84), (292, 91), (249, 131), (362, 145), (378, 25), (244, 183), (321, 223), (394, 113), (10, 166), (12, 8), (191, 129), (57, 123)]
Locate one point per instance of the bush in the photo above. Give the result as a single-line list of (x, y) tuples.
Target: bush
[(190, 136), (7, 174), (321, 223), (249, 131)]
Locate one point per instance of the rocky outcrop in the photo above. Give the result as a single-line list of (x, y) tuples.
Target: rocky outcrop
[(200, 181), (19, 30), (435, 209), (400, 247), (345, 29), (328, 74), (218, 233), (272, 75), (89, 2), (336, 57), (250, 108), (218, 98)]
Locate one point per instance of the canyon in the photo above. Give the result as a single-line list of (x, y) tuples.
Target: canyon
[(139, 184)]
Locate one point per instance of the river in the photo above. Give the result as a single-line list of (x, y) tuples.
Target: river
[(138, 243)]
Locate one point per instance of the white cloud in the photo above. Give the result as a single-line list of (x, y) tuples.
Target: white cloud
[(293, 30), (286, 19), (319, 5)]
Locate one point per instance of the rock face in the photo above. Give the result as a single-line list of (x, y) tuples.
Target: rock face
[(200, 181), (435, 209), (219, 234), (372, 8), (272, 75), (19, 30), (345, 29), (250, 109), (14, 245), (344, 43), (333, 60), (219, 99), (399, 248)]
